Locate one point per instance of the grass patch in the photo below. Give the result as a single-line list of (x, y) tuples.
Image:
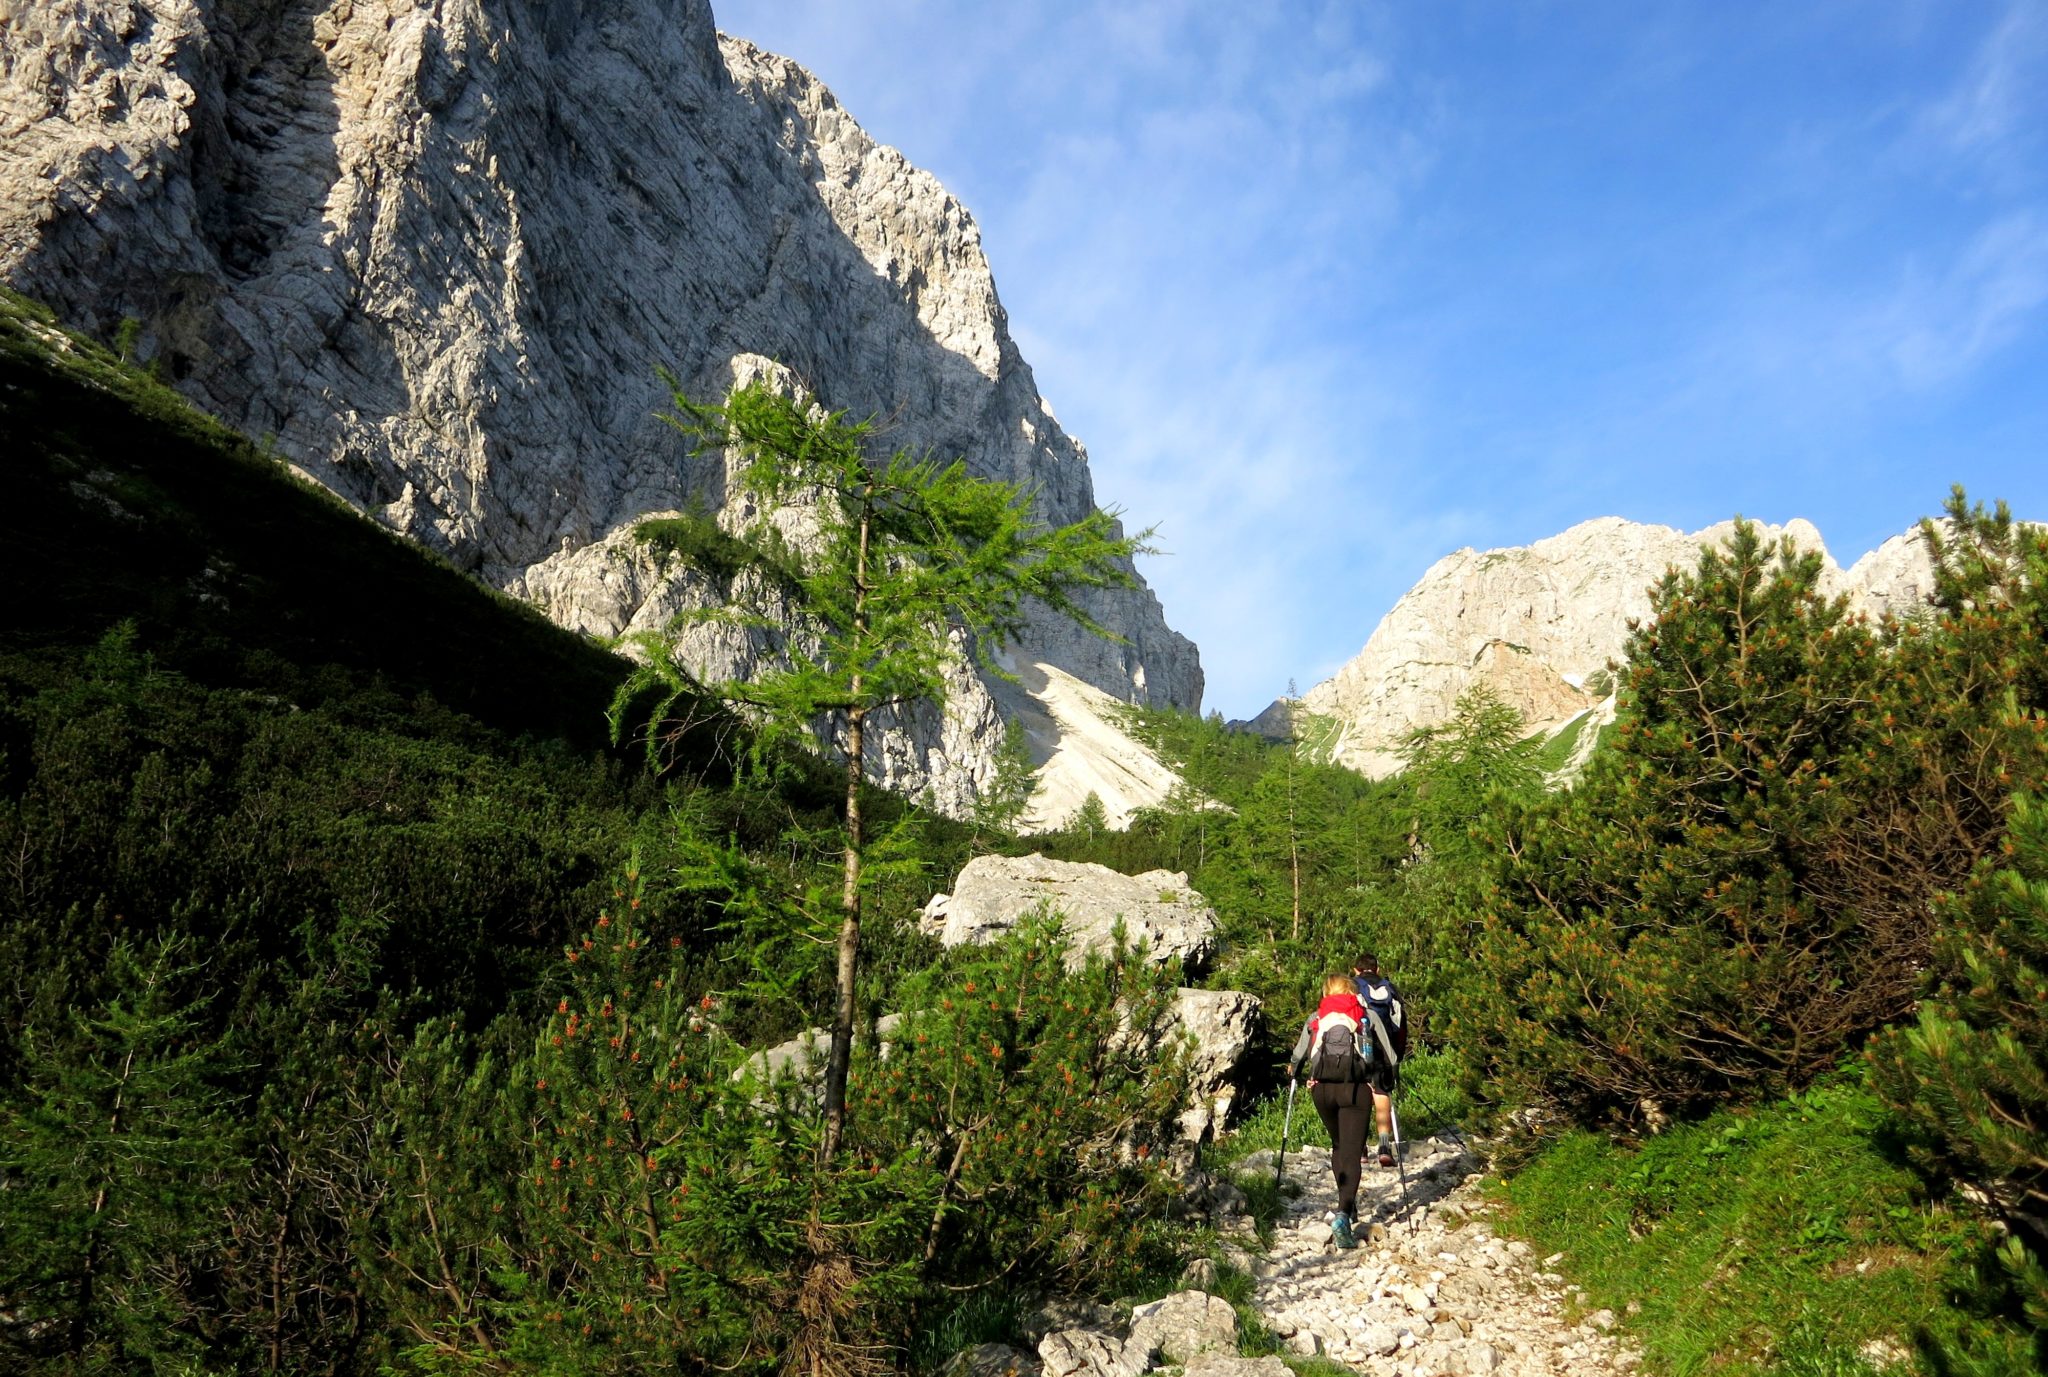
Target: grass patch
[(981, 1317), (1552, 755), (1781, 1240), (1265, 1200)]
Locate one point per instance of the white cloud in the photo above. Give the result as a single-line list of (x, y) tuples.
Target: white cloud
[(2001, 89), (1938, 330)]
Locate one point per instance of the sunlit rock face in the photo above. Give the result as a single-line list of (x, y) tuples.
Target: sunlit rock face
[(436, 251), (1540, 623)]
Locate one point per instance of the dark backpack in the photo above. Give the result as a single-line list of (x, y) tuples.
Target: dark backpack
[(1342, 1053), (1378, 995)]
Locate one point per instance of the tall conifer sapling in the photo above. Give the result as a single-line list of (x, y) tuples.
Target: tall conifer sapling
[(909, 561)]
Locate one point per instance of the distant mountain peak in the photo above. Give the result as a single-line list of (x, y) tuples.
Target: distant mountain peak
[(1539, 623)]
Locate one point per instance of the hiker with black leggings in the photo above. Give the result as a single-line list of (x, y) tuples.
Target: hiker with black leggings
[(1349, 1052)]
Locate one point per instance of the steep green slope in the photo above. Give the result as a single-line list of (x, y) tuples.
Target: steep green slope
[(126, 504)]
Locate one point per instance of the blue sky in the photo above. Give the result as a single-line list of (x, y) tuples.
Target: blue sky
[(1330, 290)]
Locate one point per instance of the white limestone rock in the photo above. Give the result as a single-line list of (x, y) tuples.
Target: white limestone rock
[(1231, 1365), (1223, 1024), (1540, 623), (803, 1057), (993, 894), (991, 1360), (437, 250), (1181, 1325), (1086, 1353), (1070, 1312)]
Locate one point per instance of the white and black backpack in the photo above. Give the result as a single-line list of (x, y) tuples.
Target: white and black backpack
[(1342, 1052), (1383, 1008)]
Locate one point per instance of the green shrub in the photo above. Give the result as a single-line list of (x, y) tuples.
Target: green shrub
[(1047, 1096), (1780, 1239), (1650, 939), (1971, 1073), (1736, 894), (634, 1206), (118, 1146)]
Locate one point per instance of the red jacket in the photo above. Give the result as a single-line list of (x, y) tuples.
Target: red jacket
[(1346, 1004)]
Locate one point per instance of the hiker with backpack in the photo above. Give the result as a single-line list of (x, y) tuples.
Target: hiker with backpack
[(1350, 1047), (1378, 995)]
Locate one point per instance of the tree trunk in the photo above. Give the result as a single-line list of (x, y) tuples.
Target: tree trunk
[(1294, 848), (841, 1055)]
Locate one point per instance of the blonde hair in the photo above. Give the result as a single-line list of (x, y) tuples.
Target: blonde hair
[(1338, 984)]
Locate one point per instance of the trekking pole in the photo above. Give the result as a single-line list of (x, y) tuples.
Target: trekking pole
[(1394, 1113), (1444, 1125), (1286, 1123)]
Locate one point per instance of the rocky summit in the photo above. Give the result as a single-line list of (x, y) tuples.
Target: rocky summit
[(435, 252), (1540, 624)]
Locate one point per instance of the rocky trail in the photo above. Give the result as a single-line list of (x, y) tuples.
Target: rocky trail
[(1431, 1291)]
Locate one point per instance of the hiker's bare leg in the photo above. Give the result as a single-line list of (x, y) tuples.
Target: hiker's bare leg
[(1383, 1112)]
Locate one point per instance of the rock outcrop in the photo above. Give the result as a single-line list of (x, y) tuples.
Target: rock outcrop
[(436, 251), (993, 894), (1223, 1025), (1540, 623)]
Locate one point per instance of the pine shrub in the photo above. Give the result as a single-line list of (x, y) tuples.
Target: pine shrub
[(1971, 1072), (618, 1200), (1649, 943)]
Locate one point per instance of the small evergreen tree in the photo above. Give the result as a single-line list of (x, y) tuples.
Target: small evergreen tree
[(1949, 736), (1045, 1088), (1457, 764), (1002, 803), (1091, 820), (116, 1147), (910, 558)]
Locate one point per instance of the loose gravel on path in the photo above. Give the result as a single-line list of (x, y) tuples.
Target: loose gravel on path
[(1431, 1289)]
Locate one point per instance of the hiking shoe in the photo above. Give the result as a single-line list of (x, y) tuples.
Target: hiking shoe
[(1340, 1230), (1386, 1157)]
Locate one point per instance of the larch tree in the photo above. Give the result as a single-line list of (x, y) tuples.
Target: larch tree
[(909, 559)]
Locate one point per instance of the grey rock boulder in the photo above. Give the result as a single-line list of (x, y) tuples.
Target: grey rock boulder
[(993, 894), (1087, 1353), (1072, 1312), (1182, 1325), (1223, 1025), (804, 1055)]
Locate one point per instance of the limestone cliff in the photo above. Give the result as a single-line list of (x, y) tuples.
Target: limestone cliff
[(1541, 622), (436, 250)]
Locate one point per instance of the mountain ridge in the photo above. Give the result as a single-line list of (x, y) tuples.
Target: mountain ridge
[(1539, 623), (437, 252)]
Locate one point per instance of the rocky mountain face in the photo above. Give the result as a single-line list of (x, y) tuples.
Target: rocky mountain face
[(1540, 623), (436, 252)]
